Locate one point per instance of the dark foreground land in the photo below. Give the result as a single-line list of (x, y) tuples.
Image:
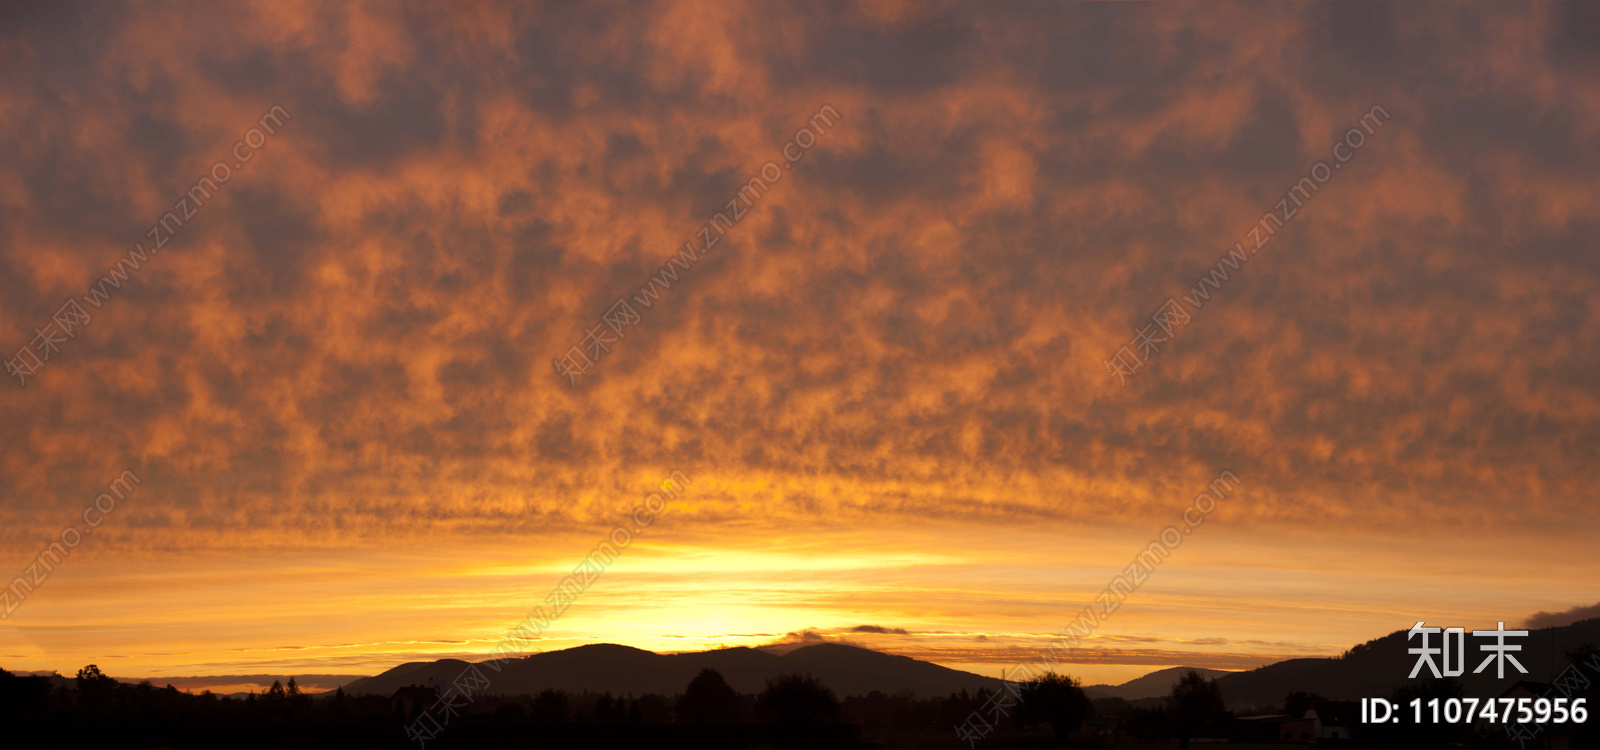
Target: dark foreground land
[(96, 714)]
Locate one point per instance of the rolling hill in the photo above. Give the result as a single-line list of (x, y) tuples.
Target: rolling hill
[(1377, 667), (848, 670), (1372, 669), (1153, 685)]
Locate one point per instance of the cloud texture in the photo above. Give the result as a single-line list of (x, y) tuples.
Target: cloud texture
[(350, 344)]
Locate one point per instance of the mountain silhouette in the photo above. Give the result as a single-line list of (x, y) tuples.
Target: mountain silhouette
[(1372, 669), (847, 670), (1154, 685)]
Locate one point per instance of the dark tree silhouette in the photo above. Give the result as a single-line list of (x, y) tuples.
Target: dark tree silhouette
[(22, 698), (1194, 704), (551, 707), (96, 691), (709, 700), (798, 700), (1585, 654), (1299, 702), (299, 702), (609, 710), (1054, 699)]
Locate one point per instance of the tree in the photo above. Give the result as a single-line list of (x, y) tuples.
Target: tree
[(1297, 703), (1054, 699), (550, 707), (709, 700), (609, 710), (1586, 654), (95, 690), (297, 699), (22, 699), (798, 700), (1194, 704)]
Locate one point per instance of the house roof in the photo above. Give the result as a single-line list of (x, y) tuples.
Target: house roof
[(1271, 719)]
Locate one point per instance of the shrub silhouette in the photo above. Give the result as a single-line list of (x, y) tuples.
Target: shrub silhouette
[(96, 691), (1054, 699), (798, 700), (551, 707), (1194, 704), (709, 700), (1298, 702)]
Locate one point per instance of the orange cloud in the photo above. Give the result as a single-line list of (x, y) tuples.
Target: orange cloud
[(349, 347)]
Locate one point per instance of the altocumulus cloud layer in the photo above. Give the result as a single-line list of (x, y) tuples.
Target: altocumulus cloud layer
[(352, 341)]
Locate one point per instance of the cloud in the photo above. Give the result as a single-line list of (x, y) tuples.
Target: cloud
[(1564, 617), (879, 629), (797, 639), (349, 346), (1099, 656), (359, 327), (255, 682)]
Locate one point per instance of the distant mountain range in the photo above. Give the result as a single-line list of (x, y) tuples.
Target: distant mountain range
[(1370, 670), (1157, 683), (311, 683), (847, 670), (1373, 669), (1376, 667)]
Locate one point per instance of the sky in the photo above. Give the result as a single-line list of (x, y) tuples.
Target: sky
[(335, 372)]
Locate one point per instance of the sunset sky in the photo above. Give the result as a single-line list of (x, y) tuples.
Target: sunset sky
[(887, 381)]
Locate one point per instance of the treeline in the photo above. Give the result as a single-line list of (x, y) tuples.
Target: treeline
[(795, 711), (94, 710)]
